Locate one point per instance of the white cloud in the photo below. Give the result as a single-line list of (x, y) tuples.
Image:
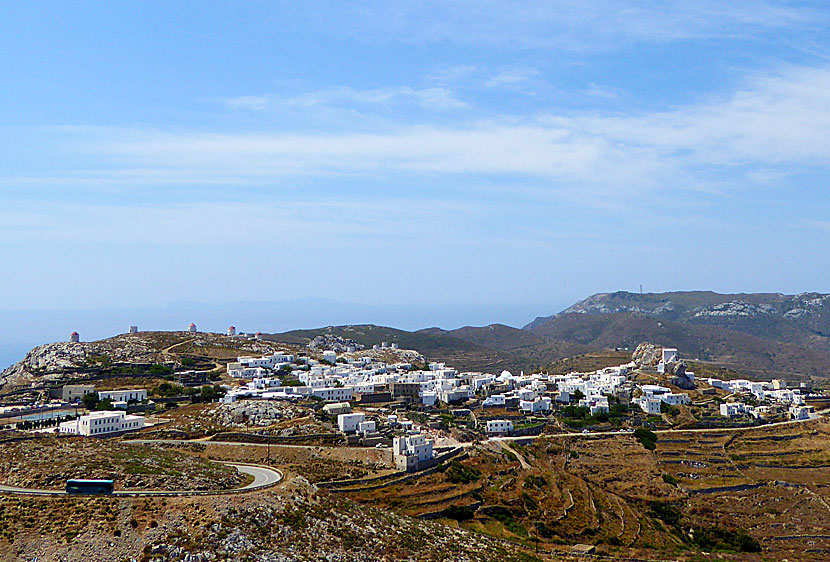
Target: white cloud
[(511, 77), (779, 119), (571, 24), (435, 98), (775, 124)]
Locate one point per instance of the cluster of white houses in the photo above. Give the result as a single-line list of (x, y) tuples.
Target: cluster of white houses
[(770, 393), (358, 377)]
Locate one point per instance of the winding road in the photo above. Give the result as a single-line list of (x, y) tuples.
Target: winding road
[(264, 477)]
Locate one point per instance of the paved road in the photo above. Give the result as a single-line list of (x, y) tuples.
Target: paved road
[(263, 478)]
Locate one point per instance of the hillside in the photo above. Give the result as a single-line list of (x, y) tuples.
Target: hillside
[(762, 334), (802, 319), (146, 354), (488, 348)]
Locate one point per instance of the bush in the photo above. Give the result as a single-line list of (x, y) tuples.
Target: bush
[(666, 512), (715, 538), (459, 512), (647, 438), (669, 409), (157, 369), (458, 473), (670, 480)]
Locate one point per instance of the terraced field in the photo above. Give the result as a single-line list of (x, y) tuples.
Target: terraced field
[(773, 482)]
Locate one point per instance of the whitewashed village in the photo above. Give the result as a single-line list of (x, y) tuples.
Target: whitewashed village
[(425, 413)]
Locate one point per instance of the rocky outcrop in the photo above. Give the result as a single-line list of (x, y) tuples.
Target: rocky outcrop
[(324, 342), (47, 363), (735, 309), (647, 355), (677, 370), (50, 363)]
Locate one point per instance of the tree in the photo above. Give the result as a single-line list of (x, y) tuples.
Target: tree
[(104, 405), (90, 401)]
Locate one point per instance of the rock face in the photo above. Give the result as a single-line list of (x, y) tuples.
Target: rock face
[(677, 369), (46, 364), (647, 355), (325, 342)]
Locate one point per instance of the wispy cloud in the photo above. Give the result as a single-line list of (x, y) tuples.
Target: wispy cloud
[(753, 136), (511, 77), (435, 98), (573, 24)]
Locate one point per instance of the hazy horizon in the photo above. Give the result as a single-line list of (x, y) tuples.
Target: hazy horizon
[(379, 152), (26, 329)]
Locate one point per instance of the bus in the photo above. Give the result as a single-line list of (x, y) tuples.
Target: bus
[(89, 487)]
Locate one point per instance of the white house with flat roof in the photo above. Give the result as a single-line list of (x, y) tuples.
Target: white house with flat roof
[(137, 394), (499, 426), (101, 423), (349, 423)]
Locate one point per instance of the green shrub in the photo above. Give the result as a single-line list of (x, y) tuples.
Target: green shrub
[(458, 473), (666, 512), (459, 512), (647, 438), (716, 538)]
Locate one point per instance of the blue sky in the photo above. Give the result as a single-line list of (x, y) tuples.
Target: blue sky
[(501, 155)]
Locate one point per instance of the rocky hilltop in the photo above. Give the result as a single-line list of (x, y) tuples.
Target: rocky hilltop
[(706, 305), (53, 362)]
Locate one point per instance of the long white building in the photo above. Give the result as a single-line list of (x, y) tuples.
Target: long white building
[(137, 394), (101, 423)]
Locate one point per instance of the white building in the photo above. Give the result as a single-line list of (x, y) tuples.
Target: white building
[(675, 399), (499, 426), (649, 405), (349, 423), (133, 330), (330, 356), (237, 371), (494, 400), (595, 404), (192, 328), (137, 394), (411, 452), (366, 427), (101, 423), (333, 393), (232, 330), (731, 409), (801, 412), (533, 406)]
